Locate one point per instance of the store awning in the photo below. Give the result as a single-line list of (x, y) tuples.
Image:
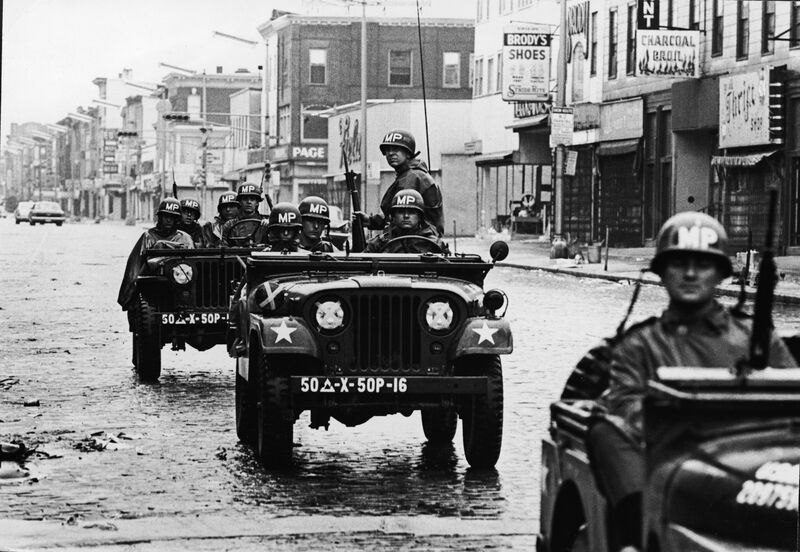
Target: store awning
[(618, 147), (495, 158), (528, 122), (749, 160)]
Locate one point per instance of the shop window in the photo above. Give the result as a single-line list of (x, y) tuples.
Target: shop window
[(630, 55), (794, 29), (593, 53), (742, 29), (451, 61), (317, 66), (612, 44), (717, 28), (399, 67), (768, 27)]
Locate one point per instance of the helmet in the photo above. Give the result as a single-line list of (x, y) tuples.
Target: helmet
[(169, 206), (400, 138), (284, 215), (191, 205), (228, 198), (692, 232), (314, 207), (245, 190), (408, 199)]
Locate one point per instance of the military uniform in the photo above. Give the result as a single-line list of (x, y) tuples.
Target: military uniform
[(259, 236), (193, 228), (409, 200), (314, 208)]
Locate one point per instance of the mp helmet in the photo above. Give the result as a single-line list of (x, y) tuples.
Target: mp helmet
[(314, 207), (169, 206), (191, 205), (692, 232), (408, 199), (228, 198), (248, 190), (284, 215), (400, 138)]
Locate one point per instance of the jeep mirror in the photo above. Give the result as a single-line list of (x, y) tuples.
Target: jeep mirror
[(498, 251)]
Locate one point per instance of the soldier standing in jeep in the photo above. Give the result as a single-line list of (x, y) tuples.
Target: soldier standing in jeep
[(227, 209), (190, 214), (408, 230), (694, 331), (398, 146), (315, 216)]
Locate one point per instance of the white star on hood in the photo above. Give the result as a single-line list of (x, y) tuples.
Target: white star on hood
[(485, 333), (283, 331)]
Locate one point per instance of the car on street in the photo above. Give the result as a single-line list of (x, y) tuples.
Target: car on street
[(22, 212), (350, 336), (43, 212)]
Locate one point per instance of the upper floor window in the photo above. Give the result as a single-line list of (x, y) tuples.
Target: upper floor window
[(399, 67), (694, 20), (768, 27), (317, 66), (498, 76), (593, 38), (477, 88), (284, 124), (630, 59), (717, 27), (490, 75), (451, 74), (612, 44), (794, 29), (313, 126), (670, 13), (742, 29), (524, 3)]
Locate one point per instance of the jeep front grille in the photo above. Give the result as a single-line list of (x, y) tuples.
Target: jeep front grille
[(213, 279), (386, 333)]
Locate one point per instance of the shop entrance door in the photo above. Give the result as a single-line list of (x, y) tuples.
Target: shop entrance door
[(620, 200)]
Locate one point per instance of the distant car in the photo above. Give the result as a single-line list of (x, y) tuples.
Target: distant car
[(46, 211), (22, 212)]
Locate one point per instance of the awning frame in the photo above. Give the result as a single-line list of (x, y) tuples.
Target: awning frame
[(742, 161)]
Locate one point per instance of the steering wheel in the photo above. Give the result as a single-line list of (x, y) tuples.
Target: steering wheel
[(243, 231), (411, 244), (166, 244)]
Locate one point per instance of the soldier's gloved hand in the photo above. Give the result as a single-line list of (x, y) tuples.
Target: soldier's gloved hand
[(363, 217)]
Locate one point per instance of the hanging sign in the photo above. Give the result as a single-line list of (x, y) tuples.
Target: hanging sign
[(663, 53), (561, 126), (744, 109), (526, 62), (647, 14)]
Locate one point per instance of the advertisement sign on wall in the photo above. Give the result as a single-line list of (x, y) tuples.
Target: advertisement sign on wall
[(561, 126), (662, 53), (526, 62), (744, 109)]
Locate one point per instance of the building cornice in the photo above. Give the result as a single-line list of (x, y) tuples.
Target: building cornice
[(272, 26)]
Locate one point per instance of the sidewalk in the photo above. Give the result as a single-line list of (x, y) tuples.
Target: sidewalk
[(623, 264)]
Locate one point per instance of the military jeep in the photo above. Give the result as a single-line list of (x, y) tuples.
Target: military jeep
[(181, 297), (352, 336)]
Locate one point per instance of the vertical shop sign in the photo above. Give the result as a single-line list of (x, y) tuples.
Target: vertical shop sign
[(647, 15), (526, 62)]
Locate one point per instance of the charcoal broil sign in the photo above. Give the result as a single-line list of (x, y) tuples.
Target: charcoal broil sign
[(647, 15)]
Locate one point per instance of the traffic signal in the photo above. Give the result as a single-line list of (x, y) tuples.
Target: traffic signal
[(176, 116), (127, 134)]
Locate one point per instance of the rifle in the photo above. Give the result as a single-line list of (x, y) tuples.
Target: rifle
[(263, 179), (174, 185), (359, 241), (765, 294)]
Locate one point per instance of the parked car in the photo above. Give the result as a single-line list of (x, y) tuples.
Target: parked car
[(43, 212), (22, 212)]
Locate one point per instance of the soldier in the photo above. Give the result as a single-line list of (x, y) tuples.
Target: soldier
[(248, 196), (190, 214), (407, 219), (694, 330), (283, 228), (315, 217), (164, 235), (227, 209), (398, 146)]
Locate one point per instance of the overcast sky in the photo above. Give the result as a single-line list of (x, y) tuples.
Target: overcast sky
[(53, 49)]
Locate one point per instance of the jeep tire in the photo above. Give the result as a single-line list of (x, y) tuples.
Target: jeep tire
[(247, 405), (482, 414), (274, 439), (439, 424), (147, 343)]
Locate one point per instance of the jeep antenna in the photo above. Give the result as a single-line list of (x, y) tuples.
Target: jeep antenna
[(424, 98)]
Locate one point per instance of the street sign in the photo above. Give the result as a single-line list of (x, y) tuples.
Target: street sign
[(526, 62), (561, 126)]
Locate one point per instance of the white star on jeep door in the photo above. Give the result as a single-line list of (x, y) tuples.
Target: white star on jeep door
[(485, 333), (283, 331)]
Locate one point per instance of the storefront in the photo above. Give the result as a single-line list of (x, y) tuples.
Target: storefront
[(298, 171), (580, 216)]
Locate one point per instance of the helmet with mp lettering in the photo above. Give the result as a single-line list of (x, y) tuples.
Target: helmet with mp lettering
[(408, 199), (692, 232), (400, 138), (228, 198), (314, 207), (284, 215), (191, 205), (248, 190), (169, 206)]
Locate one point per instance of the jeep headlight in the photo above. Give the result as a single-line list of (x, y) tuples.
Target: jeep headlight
[(439, 315), (182, 273), (329, 314)]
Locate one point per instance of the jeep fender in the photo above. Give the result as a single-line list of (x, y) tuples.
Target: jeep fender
[(484, 336), (284, 335)]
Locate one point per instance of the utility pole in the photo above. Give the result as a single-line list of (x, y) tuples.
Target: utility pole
[(558, 172), (203, 168), (363, 129)]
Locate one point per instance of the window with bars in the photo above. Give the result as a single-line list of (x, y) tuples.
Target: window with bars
[(630, 54), (399, 67), (794, 29), (593, 53), (717, 28), (612, 44), (451, 73), (317, 65), (768, 27), (742, 29)]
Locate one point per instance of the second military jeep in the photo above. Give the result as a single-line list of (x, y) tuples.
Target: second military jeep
[(352, 336)]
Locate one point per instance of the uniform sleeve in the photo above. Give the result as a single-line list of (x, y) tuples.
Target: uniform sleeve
[(779, 354), (627, 385)]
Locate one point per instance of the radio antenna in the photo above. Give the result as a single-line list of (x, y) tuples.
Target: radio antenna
[(424, 98)]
